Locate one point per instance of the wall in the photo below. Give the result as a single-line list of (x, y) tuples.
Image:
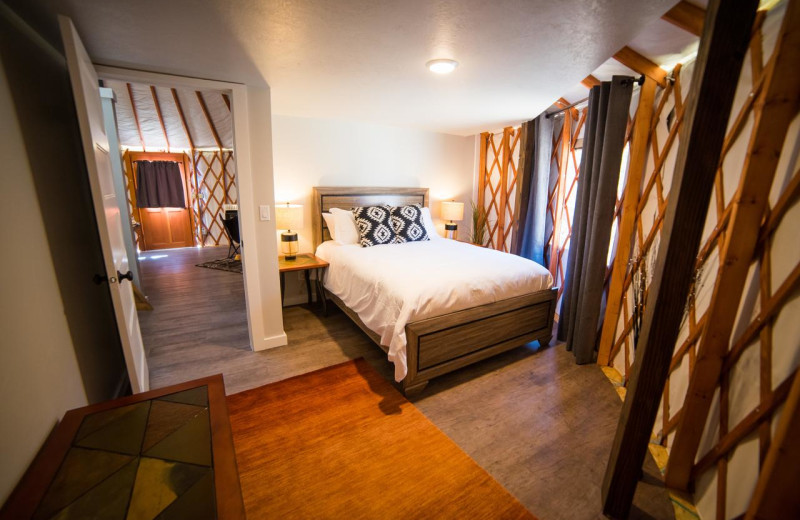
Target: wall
[(261, 261), (324, 152), (39, 374), (60, 347), (42, 97)]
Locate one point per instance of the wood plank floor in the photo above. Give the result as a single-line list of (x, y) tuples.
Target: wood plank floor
[(537, 422)]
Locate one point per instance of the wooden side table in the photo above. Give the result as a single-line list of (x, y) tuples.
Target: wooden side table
[(305, 262), (163, 453)]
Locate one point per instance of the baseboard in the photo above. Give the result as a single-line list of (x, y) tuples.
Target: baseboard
[(272, 342)]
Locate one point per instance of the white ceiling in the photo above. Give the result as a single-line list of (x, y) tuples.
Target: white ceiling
[(364, 60)]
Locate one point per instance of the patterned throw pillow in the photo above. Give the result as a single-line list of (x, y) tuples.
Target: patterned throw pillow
[(408, 225), (374, 225)]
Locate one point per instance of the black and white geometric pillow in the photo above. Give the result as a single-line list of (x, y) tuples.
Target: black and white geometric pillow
[(374, 225), (407, 223)]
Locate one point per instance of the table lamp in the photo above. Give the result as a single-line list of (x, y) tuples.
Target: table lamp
[(288, 217), (451, 211)]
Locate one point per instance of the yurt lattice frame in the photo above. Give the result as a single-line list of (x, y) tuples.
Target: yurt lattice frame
[(497, 184), (643, 216), (214, 183), (565, 163), (738, 324)]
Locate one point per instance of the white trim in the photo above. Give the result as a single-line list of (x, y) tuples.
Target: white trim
[(273, 342), (260, 260)]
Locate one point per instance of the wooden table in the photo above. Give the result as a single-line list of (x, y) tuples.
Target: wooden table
[(305, 262), (167, 451)]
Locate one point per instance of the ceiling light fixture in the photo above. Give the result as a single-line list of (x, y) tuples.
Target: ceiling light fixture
[(442, 66)]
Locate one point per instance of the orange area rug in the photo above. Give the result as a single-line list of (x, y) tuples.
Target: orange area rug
[(341, 442)]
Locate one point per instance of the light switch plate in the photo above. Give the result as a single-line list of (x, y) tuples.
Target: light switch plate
[(263, 211)]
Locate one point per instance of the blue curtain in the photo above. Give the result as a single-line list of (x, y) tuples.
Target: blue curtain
[(534, 168)]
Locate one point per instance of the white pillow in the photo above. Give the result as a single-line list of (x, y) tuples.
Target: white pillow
[(428, 221), (330, 221), (345, 224)]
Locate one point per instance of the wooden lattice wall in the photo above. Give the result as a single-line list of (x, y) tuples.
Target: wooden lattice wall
[(564, 178), (214, 185), (761, 360), (497, 184), (564, 174), (662, 144)]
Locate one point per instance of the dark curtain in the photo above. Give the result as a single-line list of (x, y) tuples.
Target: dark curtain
[(603, 142), (159, 185), (529, 237)]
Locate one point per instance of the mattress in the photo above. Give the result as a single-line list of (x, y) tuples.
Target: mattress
[(389, 286)]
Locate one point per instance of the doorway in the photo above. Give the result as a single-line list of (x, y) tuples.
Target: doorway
[(178, 166), (161, 227), (254, 183)]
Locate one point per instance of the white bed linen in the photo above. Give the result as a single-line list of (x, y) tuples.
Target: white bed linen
[(389, 286)]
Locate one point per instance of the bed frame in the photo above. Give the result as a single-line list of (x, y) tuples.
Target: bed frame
[(438, 345)]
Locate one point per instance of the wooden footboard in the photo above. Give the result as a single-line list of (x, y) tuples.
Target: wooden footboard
[(436, 346), (445, 343)]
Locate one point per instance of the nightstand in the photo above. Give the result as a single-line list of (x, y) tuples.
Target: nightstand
[(305, 262)]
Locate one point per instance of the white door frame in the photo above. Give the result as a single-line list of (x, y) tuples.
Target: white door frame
[(260, 264)]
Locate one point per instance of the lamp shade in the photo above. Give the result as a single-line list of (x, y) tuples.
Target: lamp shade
[(452, 210), (289, 216)]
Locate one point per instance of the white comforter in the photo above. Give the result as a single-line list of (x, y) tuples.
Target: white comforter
[(389, 286)]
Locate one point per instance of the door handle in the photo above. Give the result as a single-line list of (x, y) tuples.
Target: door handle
[(127, 276)]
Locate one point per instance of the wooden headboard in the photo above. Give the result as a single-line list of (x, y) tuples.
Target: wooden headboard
[(327, 197)]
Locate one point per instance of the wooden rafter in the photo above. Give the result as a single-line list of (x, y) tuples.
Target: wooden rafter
[(590, 81), (777, 105), (135, 115), (638, 63), (210, 122), (726, 35), (183, 120), (160, 116), (687, 16), (638, 160)]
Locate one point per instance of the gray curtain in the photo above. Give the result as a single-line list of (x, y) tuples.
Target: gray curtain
[(159, 185), (603, 142), (534, 168)]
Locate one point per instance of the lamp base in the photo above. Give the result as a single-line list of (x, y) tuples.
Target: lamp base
[(289, 245), (451, 230)]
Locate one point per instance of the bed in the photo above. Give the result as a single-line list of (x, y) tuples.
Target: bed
[(433, 306)]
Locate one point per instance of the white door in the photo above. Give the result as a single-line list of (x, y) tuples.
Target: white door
[(86, 90)]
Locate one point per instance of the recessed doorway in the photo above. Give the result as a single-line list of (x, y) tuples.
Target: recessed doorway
[(179, 171)]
